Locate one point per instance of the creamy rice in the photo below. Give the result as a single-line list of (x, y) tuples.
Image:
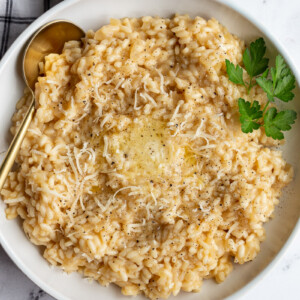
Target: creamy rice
[(134, 169)]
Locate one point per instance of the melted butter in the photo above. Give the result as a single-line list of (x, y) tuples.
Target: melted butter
[(146, 146), (190, 157), (95, 189), (146, 151)]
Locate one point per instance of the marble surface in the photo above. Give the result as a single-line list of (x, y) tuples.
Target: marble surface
[(283, 20)]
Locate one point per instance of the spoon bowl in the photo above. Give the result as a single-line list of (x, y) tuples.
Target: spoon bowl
[(50, 38)]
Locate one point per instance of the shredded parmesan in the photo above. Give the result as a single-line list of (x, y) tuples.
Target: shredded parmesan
[(109, 81), (61, 109), (161, 82), (76, 155), (205, 210), (72, 102), (72, 164), (81, 202), (83, 116), (132, 227), (176, 110), (39, 153), (176, 131), (54, 193), (119, 83), (146, 97), (144, 81), (135, 107), (96, 90), (105, 153), (105, 119), (232, 227), (206, 147), (124, 188), (155, 201)]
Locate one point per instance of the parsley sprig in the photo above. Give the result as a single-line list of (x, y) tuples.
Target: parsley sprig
[(279, 86)]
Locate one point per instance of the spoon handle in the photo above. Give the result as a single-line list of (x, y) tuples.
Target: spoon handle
[(16, 144)]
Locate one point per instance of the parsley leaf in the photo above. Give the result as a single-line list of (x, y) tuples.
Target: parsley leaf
[(267, 86), (279, 84), (279, 67), (248, 114), (235, 74), (254, 61), (277, 122), (282, 83), (284, 80), (265, 74)]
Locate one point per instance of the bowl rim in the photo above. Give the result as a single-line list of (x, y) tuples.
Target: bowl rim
[(281, 48)]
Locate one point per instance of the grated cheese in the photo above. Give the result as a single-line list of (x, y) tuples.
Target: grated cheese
[(105, 119), (72, 102), (102, 207), (96, 87), (146, 97), (60, 171), (205, 210), (105, 153), (76, 155), (155, 201), (72, 164), (109, 81), (39, 153), (176, 131), (144, 81), (206, 147), (134, 226), (180, 102), (61, 109), (83, 116), (161, 82), (119, 83), (124, 188), (57, 147), (135, 101), (81, 202), (54, 193), (232, 227)]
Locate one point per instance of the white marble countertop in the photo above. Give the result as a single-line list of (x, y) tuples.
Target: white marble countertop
[(283, 20)]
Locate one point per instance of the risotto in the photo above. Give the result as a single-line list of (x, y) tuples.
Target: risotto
[(134, 170)]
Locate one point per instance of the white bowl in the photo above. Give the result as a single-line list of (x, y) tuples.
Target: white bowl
[(93, 14)]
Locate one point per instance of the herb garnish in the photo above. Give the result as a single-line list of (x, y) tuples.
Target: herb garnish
[(279, 86)]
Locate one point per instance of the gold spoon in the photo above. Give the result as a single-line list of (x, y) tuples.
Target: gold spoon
[(50, 38)]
